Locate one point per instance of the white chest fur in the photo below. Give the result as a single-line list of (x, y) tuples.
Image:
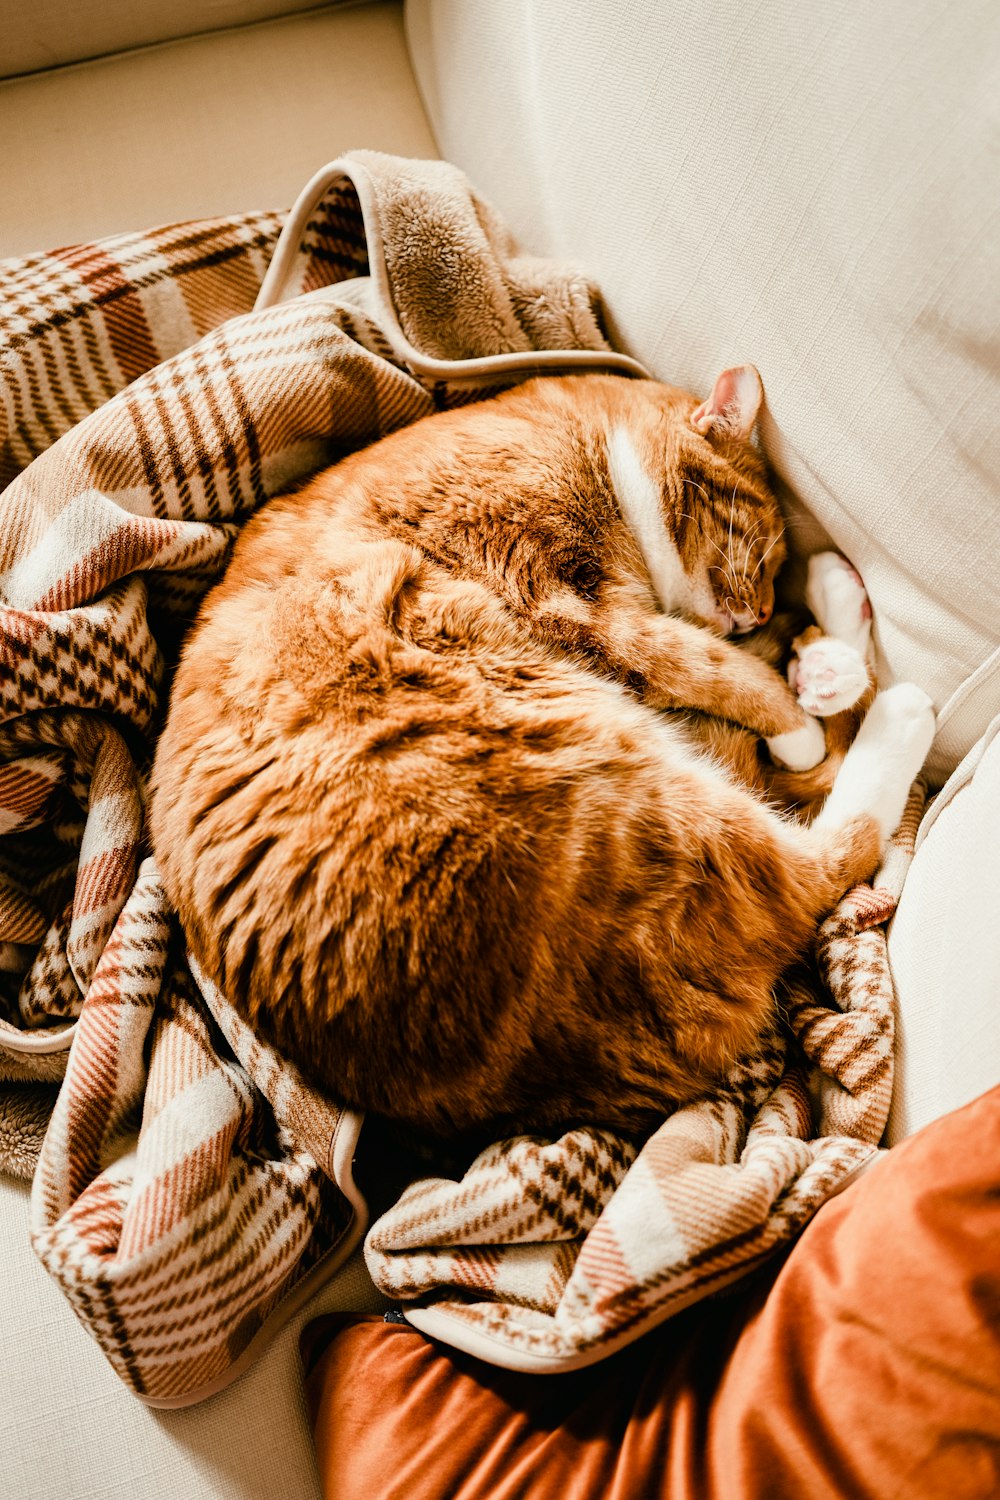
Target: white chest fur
[(638, 497)]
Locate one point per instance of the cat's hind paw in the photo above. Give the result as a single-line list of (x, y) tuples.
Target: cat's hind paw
[(839, 600), (879, 768), (828, 676)]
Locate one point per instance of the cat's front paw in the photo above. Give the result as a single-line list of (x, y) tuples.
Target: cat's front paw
[(799, 749), (828, 676)]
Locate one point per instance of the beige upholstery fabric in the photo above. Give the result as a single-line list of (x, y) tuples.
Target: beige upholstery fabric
[(813, 188), (944, 950), (50, 33), (195, 129), (71, 1429)]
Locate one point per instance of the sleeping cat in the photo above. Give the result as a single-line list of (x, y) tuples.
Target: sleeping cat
[(418, 803)]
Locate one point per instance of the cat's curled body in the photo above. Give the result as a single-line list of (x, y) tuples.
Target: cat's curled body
[(417, 806)]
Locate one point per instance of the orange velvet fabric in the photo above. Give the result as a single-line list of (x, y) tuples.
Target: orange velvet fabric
[(865, 1366)]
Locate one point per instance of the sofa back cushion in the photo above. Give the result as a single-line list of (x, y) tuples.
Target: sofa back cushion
[(51, 33), (810, 189)]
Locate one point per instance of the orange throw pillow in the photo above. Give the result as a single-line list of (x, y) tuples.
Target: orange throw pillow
[(866, 1366)]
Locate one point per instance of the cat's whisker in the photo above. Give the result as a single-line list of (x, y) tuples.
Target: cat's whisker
[(750, 540), (711, 542), (728, 580), (769, 551), (727, 560), (731, 571), (685, 515)]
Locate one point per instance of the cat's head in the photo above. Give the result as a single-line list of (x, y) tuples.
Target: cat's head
[(731, 540), (716, 505)]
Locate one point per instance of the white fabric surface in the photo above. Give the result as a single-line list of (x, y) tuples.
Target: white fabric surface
[(944, 950), (810, 188), (71, 1431), (218, 124)]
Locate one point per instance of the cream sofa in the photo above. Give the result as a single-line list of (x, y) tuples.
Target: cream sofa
[(810, 188)]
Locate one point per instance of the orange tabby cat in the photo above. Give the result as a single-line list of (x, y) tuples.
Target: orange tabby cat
[(417, 803)]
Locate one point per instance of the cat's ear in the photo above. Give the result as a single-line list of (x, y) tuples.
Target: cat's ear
[(731, 409)]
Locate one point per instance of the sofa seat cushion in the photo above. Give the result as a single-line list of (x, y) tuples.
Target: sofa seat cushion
[(52, 33), (211, 125), (868, 1365), (71, 1428), (813, 190)]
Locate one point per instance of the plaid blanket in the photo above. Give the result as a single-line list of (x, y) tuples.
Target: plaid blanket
[(191, 1187)]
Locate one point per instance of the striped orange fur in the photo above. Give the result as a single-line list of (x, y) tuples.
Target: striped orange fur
[(432, 800)]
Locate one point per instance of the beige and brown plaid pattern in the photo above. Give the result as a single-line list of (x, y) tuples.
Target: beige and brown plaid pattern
[(189, 1181), (83, 322), (548, 1255), (186, 1183)]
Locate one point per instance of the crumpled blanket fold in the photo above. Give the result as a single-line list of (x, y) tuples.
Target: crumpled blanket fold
[(191, 1187)]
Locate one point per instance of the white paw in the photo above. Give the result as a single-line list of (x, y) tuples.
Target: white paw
[(907, 715), (828, 676), (884, 760), (799, 749), (838, 600)]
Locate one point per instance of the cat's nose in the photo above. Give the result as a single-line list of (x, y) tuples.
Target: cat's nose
[(764, 613)]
